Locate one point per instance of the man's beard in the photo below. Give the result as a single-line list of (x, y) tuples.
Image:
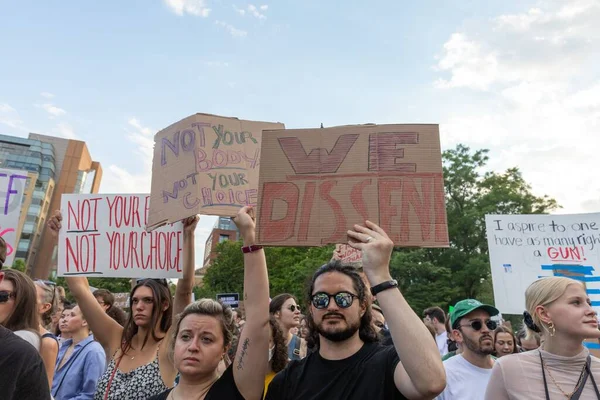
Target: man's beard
[(337, 335), (476, 347)]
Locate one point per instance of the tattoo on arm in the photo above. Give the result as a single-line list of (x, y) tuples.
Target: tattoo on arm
[(245, 296), (243, 354)]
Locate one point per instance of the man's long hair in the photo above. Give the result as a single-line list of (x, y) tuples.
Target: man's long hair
[(366, 331)]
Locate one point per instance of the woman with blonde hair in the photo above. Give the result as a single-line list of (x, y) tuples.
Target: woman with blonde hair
[(47, 301), (563, 367)]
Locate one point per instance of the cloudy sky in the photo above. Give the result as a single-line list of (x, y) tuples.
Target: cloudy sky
[(518, 77)]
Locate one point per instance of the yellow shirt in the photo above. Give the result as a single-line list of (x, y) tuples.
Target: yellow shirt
[(268, 380)]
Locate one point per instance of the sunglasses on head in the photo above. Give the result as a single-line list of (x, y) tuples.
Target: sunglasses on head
[(477, 325), (5, 295), (342, 299), (162, 281), (52, 286)]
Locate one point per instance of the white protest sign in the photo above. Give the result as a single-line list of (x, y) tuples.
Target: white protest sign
[(12, 187), (524, 248), (104, 235)]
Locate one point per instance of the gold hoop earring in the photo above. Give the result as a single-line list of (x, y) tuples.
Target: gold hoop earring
[(552, 328)]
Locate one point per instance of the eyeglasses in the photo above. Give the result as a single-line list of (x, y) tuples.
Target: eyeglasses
[(5, 295), (293, 308), (478, 324), (342, 299)]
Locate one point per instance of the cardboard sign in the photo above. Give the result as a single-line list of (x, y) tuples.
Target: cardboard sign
[(524, 248), (315, 184), (230, 299), (12, 187), (205, 164), (104, 235), (121, 300), (347, 254)]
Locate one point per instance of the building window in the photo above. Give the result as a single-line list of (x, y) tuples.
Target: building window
[(223, 238)]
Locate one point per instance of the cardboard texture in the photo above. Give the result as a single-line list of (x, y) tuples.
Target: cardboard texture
[(104, 235), (348, 255), (315, 184), (205, 164), (12, 188)]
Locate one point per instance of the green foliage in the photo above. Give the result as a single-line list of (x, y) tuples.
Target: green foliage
[(289, 269), (19, 265), (427, 277), (115, 285)]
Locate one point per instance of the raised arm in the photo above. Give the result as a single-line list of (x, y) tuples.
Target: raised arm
[(420, 373), (250, 365), (185, 285), (106, 330)]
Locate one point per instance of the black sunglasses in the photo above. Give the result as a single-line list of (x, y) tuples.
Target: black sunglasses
[(477, 325), (5, 295), (342, 299), (293, 308)]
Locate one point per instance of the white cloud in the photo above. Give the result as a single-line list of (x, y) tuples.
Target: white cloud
[(193, 7), (531, 94), (544, 44), (252, 10), (10, 117), (143, 138), (52, 110), (47, 95), (240, 11), (233, 31), (65, 130)]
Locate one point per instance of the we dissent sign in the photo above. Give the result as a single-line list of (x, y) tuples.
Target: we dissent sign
[(315, 184), (205, 164), (104, 235)]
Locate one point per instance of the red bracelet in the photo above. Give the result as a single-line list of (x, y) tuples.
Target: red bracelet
[(251, 249)]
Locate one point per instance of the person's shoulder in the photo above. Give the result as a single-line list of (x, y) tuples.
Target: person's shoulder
[(511, 360), (95, 347), (454, 360)]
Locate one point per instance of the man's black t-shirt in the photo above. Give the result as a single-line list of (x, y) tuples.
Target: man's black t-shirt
[(22, 372), (223, 388), (368, 374)]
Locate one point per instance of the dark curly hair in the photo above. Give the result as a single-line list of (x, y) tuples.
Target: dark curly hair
[(366, 331), (280, 356)]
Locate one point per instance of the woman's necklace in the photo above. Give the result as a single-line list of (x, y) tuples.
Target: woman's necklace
[(567, 395)]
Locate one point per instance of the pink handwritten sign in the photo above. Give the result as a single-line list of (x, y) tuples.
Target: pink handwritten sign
[(205, 164)]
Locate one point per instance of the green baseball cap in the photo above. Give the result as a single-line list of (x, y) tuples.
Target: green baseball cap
[(467, 306)]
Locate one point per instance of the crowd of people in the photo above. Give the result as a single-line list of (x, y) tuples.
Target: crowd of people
[(355, 338)]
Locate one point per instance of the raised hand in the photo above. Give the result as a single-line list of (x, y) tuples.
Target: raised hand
[(190, 224), (376, 247), (55, 223), (245, 220)]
